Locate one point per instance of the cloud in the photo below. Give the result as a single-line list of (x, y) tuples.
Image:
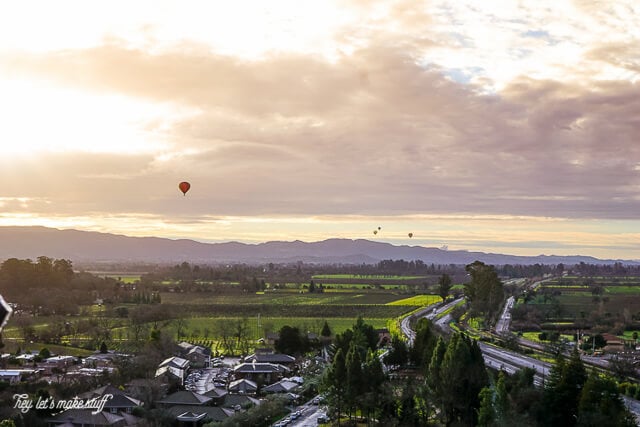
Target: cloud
[(439, 109), (374, 131)]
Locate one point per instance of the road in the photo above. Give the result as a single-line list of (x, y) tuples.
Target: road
[(310, 415), (502, 326)]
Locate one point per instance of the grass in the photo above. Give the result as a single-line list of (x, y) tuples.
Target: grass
[(417, 300), (273, 324), (12, 347), (365, 276), (281, 298)]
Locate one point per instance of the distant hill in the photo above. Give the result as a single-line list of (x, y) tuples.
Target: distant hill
[(86, 246)]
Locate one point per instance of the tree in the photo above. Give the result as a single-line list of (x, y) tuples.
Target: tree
[(485, 291), (291, 341), (44, 353), (486, 413), (423, 344), (601, 404), (444, 286), (562, 391), (335, 381), (326, 330), (434, 381), (374, 378), (399, 354), (354, 384), (463, 375)]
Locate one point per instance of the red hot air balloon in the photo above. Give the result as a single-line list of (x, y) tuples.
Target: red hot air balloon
[(184, 187)]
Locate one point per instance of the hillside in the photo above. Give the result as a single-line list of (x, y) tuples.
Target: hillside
[(31, 242)]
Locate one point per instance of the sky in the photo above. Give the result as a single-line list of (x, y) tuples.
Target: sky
[(502, 126)]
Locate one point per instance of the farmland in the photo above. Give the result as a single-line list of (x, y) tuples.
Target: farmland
[(204, 305), (604, 304)]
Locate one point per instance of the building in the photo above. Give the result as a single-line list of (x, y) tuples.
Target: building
[(265, 373), (176, 367), (282, 386), (243, 386), (86, 418), (184, 398), (268, 356), (614, 344), (14, 376), (120, 402), (199, 356)]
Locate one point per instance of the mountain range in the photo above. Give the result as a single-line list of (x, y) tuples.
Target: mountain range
[(89, 246)]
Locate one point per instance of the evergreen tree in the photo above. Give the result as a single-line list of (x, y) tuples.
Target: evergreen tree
[(562, 392), (355, 383), (335, 381), (423, 344), (444, 286), (601, 405), (486, 413), (326, 330), (399, 354), (373, 378), (463, 375), (433, 380)]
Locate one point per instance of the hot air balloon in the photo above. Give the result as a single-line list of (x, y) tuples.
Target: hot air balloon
[(379, 228), (375, 231), (184, 187), (410, 235)]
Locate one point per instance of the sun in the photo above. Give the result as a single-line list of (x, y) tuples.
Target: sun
[(38, 117)]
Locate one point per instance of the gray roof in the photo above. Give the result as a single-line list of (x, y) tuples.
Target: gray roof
[(243, 386), (176, 362), (216, 392), (119, 400), (84, 416), (271, 358), (283, 386), (185, 398), (213, 413), (260, 368), (243, 400)]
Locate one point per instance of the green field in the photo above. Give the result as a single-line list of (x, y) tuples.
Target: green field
[(418, 300), (123, 277), (365, 277), (273, 324), (282, 298)]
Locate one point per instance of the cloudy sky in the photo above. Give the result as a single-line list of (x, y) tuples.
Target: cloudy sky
[(502, 126)]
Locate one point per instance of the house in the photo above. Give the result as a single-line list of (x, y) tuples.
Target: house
[(282, 386), (103, 360), (272, 337), (243, 386), (174, 366), (217, 395), (270, 357), (14, 376), (184, 398), (266, 373), (193, 409), (199, 356), (119, 402), (61, 363), (614, 344), (239, 401), (86, 417), (188, 415)]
